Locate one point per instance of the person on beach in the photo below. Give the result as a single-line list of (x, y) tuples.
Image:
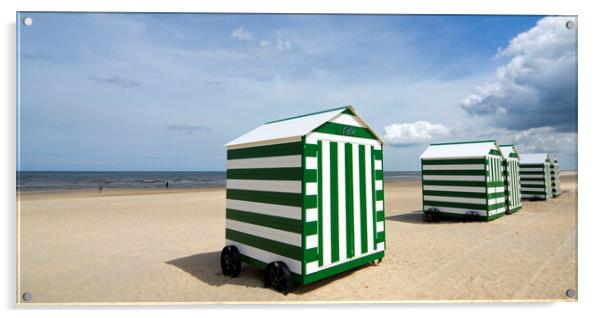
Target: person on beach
[(166, 185), (100, 187)]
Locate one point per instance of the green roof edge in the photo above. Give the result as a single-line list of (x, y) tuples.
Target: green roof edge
[(310, 114)]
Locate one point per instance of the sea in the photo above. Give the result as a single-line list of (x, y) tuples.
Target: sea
[(59, 181)]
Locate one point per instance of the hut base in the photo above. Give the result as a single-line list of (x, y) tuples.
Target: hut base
[(464, 217), (513, 210)]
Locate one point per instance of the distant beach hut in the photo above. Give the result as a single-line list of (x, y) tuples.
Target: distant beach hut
[(555, 172), (463, 180), (305, 198), (511, 178), (535, 176)]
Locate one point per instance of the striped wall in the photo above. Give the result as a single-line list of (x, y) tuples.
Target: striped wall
[(555, 176), (264, 203), (457, 186), (512, 185), (344, 196), (535, 181)]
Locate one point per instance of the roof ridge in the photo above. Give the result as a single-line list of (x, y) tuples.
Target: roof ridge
[(463, 142), (310, 114)]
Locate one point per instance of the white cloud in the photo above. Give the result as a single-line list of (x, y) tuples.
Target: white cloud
[(399, 135), (242, 34), (537, 87)]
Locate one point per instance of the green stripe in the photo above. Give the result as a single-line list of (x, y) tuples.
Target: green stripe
[(310, 175), (349, 199), (531, 172), (453, 172), (380, 194), (334, 203), (373, 174), (266, 174), (310, 150), (462, 216), (274, 222), (378, 155), (275, 247), (534, 192), (262, 266), (363, 212), (310, 255), (513, 155), (310, 228), (535, 165), (458, 194), (282, 198), (468, 206), (320, 210), (378, 174), (310, 201), (286, 149), (379, 216), (453, 161), (531, 178), (345, 130), (455, 183)]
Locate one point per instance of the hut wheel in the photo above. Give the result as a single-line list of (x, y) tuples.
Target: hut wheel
[(278, 277), (472, 216), (230, 260), (431, 215)]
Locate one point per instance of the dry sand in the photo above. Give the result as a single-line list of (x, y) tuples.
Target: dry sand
[(163, 246)]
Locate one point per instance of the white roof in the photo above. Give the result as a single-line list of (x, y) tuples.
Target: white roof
[(533, 158), (459, 150), (293, 127), (507, 150)]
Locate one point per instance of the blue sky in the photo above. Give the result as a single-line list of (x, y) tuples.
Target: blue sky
[(166, 91)]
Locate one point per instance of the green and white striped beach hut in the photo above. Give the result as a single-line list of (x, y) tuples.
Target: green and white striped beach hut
[(535, 176), (511, 178), (555, 172), (463, 179), (305, 195)]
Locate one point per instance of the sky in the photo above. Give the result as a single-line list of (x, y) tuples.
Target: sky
[(166, 91)]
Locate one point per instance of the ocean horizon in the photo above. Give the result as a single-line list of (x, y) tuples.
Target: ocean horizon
[(55, 180)]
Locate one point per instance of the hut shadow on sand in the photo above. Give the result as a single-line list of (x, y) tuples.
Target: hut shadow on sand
[(206, 268), (416, 217)]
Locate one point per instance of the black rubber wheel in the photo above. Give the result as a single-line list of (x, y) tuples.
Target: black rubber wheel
[(230, 260), (472, 216), (376, 261), (278, 277), (431, 215)]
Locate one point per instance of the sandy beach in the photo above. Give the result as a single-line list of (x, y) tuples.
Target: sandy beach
[(163, 246)]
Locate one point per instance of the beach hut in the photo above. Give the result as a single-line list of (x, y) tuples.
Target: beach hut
[(463, 180), (555, 172), (305, 198), (511, 178), (535, 176)]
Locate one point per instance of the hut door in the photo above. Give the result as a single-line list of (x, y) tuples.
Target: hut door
[(346, 201)]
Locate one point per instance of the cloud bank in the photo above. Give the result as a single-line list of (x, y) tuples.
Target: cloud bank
[(408, 134), (537, 87), (117, 80)]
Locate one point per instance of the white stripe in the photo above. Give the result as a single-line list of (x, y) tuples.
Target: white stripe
[(311, 241), (265, 162), (265, 232), (454, 210), (357, 232), (380, 226), (454, 167), (454, 188), (311, 163), (342, 201), (311, 267), (266, 257), (531, 169), (534, 189), (325, 222), (369, 201), (495, 189), (348, 120), (377, 147), (497, 211), (378, 165), (284, 211), (314, 136), (311, 215), (265, 185), (454, 199), (311, 188), (379, 205), (454, 178), (496, 200), (378, 184), (380, 246)]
